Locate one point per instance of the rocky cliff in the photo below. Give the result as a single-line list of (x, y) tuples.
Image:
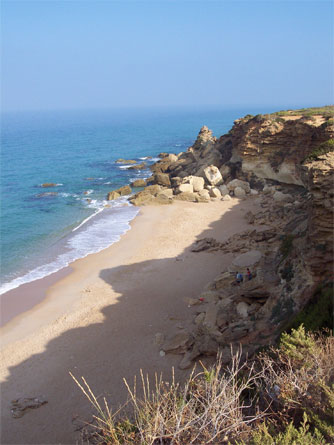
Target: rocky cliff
[(286, 162)]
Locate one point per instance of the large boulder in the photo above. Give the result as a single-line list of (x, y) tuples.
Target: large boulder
[(137, 166), (187, 196), (213, 175), (238, 183), (185, 188), (113, 195), (139, 183), (204, 194), (122, 191), (239, 192), (125, 190), (214, 192), (223, 190), (162, 179), (198, 183)]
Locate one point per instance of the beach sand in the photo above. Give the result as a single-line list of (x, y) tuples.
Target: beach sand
[(100, 320)]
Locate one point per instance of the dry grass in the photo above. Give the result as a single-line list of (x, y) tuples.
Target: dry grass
[(291, 386)]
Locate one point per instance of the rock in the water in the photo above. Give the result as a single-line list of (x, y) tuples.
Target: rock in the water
[(213, 175), (125, 190), (49, 184), (137, 166), (139, 183), (113, 195), (125, 161), (239, 192)]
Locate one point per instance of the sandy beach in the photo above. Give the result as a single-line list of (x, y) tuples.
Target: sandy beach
[(100, 320)]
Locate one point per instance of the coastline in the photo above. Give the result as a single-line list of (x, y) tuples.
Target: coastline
[(100, 320)]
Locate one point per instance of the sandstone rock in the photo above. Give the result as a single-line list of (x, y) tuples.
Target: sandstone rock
[(215, 192), (200, 198), (163, 155), (213, 175), (242, 309), (166, 192), (206, 244), (232, 185), (178, 342), (239, 192), (254, 192), (139, 183), (186, 196), (204, 194), (200, 318), (137, 166), (282, 197), (250, 217), (176, 181), (187, 188), (211, 316), (125, 190), (268, 190), (247, 259), (188, 358), (198, 183), (162, 179), (223, 190), (226, 198), (113, 195), (49, 184), (225, 171)]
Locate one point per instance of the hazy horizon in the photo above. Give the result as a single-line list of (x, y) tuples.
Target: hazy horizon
[(85, 55)]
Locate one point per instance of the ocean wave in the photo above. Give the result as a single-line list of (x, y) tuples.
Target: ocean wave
[(125, 167), (99, 234)]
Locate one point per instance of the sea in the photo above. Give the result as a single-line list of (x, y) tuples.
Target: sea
[(44, 229)]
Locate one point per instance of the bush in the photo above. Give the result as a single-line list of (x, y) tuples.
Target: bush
[(325, 147)]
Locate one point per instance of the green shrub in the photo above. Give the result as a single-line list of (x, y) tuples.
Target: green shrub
[(318, 313), (290, 436), (325, 147)]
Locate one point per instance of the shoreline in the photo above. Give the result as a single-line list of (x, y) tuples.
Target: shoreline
[(100, 320)]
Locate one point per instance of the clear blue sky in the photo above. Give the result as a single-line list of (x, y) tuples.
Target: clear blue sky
[(96, 54)]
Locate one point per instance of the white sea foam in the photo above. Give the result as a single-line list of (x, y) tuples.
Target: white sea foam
[(124, 167), (99, 234)]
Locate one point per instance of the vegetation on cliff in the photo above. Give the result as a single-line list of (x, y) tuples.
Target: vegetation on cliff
[(285, 395)]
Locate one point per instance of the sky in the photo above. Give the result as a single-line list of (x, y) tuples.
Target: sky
[(107, 54)]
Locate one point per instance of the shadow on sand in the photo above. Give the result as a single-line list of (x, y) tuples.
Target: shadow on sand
[(117, 347)]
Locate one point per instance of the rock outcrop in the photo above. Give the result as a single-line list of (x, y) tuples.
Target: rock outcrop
[(291, 249)]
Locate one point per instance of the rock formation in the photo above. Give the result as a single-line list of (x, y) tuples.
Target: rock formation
[(270, 158)]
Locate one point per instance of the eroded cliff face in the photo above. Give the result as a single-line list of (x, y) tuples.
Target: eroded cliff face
[(271, 147), (290, 249)]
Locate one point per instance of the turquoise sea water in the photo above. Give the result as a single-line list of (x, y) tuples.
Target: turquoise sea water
[(43, 229)]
